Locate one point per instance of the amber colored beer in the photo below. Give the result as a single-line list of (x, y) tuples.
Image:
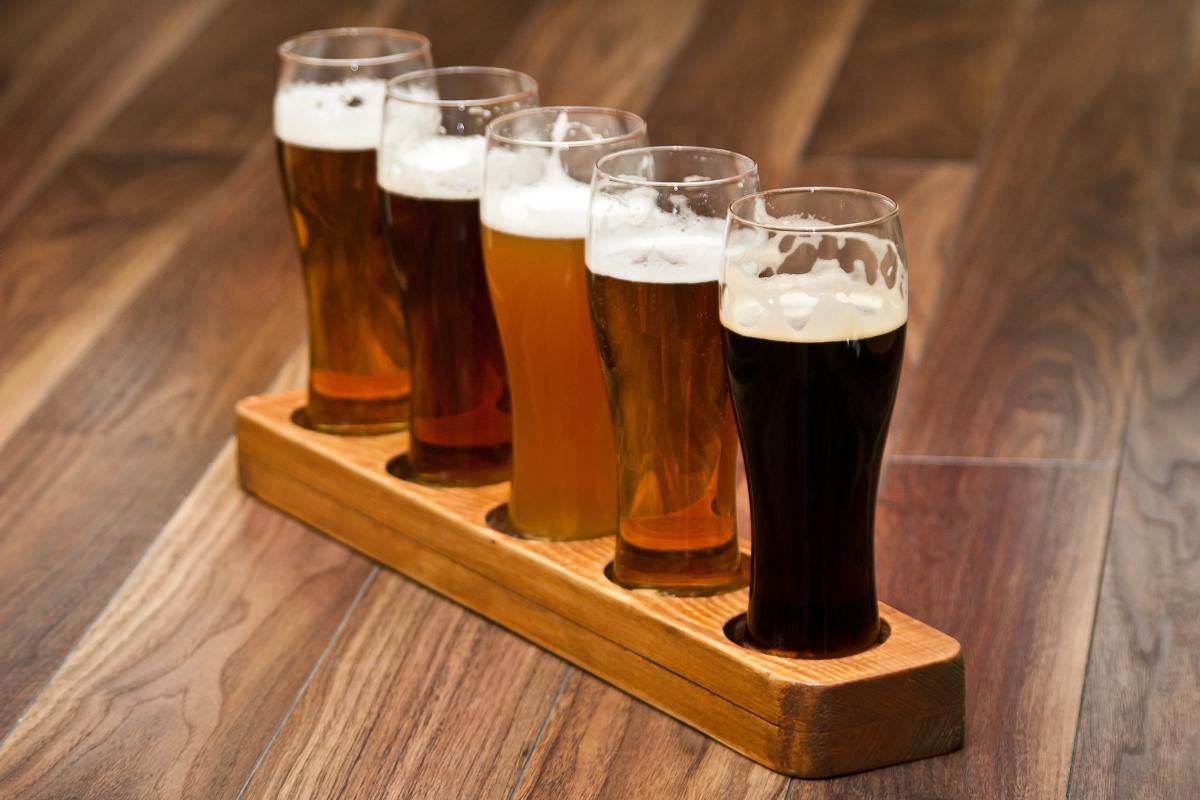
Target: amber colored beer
[(660, 345), (564, 456), (358, 378), (328, 113), (461, 428)]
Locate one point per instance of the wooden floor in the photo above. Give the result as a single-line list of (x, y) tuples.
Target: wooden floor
[(163, 635)]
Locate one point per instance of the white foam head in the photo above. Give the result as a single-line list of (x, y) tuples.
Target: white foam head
[(346, 115), (632, 238), (437, 168), (530, 194), (855, 287)]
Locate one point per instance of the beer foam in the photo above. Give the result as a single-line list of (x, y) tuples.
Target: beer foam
[(331, 116), (434, 168), (633, 239), (839, 298), (530, 194), (555, 206)]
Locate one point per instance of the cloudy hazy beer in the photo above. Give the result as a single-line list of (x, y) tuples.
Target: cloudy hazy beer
[(654, 256), (431, 171), (534, 214), (327, 125), (815, 319)]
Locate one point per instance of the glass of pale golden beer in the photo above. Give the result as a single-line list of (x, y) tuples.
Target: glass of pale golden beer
[(534, 210), (328, 114), (814, 303), (655, 238), (431, 173)]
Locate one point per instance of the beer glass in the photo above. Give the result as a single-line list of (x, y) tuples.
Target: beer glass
[(534, 210), (328, 113), (814, 303), (654, 245), (431, 174)]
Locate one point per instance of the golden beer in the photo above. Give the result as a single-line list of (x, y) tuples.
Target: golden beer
[(564, 458), (534, 215)]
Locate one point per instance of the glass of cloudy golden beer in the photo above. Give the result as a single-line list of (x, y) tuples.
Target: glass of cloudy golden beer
[(656, 233), (431, 173), (534, 210), (328, 114), (814, 303)]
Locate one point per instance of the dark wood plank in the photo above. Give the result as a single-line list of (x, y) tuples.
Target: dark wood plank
[(920, 81), (1138, 736), (1005, 559), (400, 708), (1033, 346), (98, 469), (600, 742), (82, 251), (932, 196), (95, 472), (607, 41), (67, 69), (765, 105), (1189, 133), (175, 689)]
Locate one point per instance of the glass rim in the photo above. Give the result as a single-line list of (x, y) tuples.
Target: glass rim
[(530, 90), (636, 133), (750, 166), (893, 209), (287, 50)]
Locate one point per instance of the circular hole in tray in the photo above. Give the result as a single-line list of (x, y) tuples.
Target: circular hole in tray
[(735, 631), (300, 418), (498, 520), (399, 467), (680, 591)]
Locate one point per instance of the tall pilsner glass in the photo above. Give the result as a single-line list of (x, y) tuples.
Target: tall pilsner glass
[(534, 211), (431, 173), (328, 114), (814, 302), (654, 255)]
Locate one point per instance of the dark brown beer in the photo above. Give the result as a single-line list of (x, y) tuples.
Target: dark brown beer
[(813, 418), (660, 348), (461, 431), (359, 379)]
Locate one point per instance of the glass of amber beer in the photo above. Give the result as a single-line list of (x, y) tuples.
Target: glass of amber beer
[(431, 173), (814, 303), (654, 245), (328, 114), (534, 211)]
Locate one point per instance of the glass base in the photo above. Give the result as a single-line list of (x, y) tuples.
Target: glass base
[(679, 573)]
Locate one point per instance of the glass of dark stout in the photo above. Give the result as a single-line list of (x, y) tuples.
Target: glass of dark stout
[(814, 305), (431, 175), (328, 112)]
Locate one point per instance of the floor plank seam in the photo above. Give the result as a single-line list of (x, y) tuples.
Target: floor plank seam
[(537, 738), (1003, 461), (142, 77), (982, 151), (847, 44), (1153, 266), (316, 667)]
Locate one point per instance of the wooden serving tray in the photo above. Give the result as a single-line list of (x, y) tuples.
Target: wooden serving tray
[(899, 701)]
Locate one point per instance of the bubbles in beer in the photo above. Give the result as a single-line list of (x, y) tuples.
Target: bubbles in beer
[(331, 116), (809, 285)]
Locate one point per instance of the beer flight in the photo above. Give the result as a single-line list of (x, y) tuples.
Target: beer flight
[(538, 295)]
